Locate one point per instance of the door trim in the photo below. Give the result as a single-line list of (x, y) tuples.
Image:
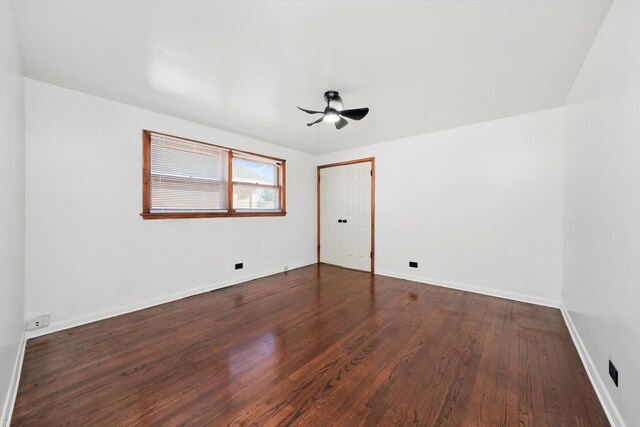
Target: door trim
[(373, 203)]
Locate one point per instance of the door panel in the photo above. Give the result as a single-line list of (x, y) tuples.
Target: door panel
[(358, 186), (345, 194), (331, 239)]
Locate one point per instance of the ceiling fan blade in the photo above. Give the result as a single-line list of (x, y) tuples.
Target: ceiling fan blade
[(355, 114), (341, 123), (317, 121), (310, 111)]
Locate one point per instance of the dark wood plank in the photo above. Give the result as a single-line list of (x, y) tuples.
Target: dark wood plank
[(316, 346)]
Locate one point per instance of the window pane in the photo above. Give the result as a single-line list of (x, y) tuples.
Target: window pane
[(254, 172), (187, 176), (247, 196), (255, 184), (170, 194), (169, 161)]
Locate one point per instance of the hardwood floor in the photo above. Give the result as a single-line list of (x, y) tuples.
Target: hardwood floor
[(315, 346)]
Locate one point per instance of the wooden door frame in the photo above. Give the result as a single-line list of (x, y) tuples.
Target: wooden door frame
[(373, 202)]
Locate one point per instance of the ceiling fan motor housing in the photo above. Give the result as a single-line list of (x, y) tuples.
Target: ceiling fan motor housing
[(333, 99)]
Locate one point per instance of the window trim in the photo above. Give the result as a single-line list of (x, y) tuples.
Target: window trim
[(231, 212)]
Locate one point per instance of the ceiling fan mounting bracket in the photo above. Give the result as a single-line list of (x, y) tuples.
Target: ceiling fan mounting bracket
[(330, 94)]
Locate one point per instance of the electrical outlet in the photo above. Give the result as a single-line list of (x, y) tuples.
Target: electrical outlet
[(613, 373), (38, 322), (413, 264), (239, 266)]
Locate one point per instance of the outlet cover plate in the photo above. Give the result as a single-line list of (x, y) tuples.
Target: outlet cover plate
[(38, 322), (613, 373)]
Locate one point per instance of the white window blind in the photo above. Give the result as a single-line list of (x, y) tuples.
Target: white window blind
[(256, 183), (187, 176)]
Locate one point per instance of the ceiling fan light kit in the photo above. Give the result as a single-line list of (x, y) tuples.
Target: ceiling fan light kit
[(334, 112)]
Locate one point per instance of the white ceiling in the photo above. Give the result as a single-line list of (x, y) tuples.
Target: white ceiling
[(243, 66)]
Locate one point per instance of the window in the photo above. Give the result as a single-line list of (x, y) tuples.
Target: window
[(183, 178), (255, 183)]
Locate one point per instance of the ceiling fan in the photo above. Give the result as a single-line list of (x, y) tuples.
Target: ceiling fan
[(334, 113)]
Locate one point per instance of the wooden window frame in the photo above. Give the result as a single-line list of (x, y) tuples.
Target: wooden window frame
[(231, 212)]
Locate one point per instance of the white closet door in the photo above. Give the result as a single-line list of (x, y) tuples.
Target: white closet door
[(357, 238), (332, 195), (345, 196)]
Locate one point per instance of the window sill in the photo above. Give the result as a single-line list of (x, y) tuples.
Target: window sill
[(187, 215)]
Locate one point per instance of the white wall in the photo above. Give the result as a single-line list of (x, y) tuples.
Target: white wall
[(602, 209), (479, 207), (11, 205), (88, 251)]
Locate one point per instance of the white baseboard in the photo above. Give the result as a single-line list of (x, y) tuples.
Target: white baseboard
[(601, 390), (12, 393), (60, 325), (475, 289)]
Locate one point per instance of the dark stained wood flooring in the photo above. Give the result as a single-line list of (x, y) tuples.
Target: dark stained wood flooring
[(316, 346)]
